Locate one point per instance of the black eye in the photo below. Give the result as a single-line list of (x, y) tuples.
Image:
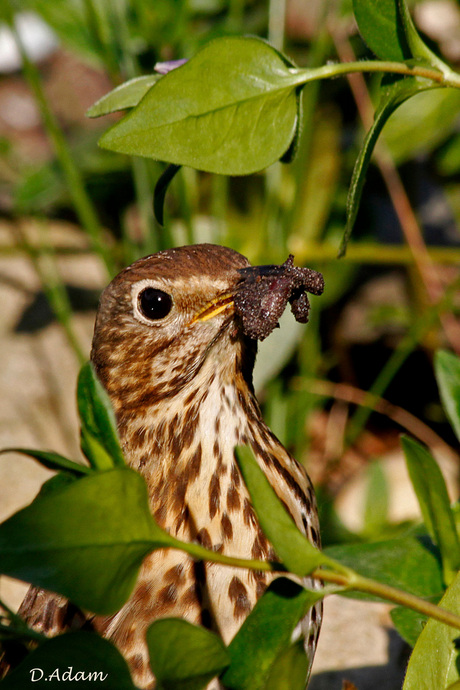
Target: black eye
[(154, 304)]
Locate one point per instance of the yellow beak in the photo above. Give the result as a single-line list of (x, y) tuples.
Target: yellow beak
[(216, 306)]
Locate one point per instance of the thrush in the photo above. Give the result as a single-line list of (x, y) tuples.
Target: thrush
[(174, 346)]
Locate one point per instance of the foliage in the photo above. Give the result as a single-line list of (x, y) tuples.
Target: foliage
[(238, 105), (86, 539)]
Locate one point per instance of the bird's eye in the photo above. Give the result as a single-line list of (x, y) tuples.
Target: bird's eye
[(154, 304)]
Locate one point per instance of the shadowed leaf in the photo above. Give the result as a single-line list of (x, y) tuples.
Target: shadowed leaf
[(381, 26), (161, 188), (184, 656)]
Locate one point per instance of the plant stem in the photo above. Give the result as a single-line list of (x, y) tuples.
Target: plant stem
[(383, 66), (340, 575), (397, 596), (83, 204)]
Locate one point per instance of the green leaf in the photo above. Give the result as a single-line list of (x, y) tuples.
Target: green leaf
[(447, 370), (184, 656), (381, 26), (408, 623), (431, 491), (294, 550), (433, 661), (231, 109), (125, 96), (99, 435), (85, 541), (51, 461), (290, 670), (266, 633), (69, 660), (393, 92), (410, 563)]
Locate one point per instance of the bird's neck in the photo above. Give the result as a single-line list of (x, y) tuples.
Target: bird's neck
[(184, 443)]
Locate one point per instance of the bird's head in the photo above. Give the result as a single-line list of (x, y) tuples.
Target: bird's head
[(162, 318)]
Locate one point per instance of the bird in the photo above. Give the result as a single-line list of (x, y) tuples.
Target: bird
[(174, 346)]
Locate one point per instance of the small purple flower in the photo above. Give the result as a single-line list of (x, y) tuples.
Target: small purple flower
[(165, 67)]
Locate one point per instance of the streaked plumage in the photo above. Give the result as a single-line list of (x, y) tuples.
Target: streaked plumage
[(182, 392)]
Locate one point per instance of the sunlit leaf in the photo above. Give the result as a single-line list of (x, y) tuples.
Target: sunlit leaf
[(99, 435), (85, 541), (294, 550), (265, 634), (125, 96), (80, 659), (231, 109), (431, 491), (433, 663), (447, 369), (184, 656)]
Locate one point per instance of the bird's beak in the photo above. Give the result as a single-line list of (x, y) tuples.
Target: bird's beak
[(216, 306), (261, 296)]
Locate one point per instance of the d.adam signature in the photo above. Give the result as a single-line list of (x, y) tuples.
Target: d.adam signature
[(69, 674)]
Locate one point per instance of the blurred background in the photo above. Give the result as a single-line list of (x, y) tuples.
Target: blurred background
[(338, 392)]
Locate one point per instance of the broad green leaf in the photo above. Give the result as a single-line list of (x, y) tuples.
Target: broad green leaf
[(80, 659), (290, 670), (184, 656), (293, 549), (447, 369), (266, 633), (99, 435), (408, 623), (85, 541), (381, 26), (231, 109), (409, 563), (125, 96), (433, 661), (393, 92), (431, 491), (51, 461)]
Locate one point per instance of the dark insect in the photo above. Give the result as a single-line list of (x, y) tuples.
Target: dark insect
[(263, 294)]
